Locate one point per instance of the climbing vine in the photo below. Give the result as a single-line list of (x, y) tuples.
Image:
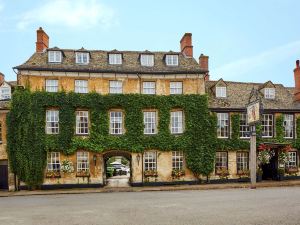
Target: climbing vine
[(28, 144)]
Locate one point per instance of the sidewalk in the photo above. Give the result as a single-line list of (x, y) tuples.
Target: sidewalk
[(264, 184)]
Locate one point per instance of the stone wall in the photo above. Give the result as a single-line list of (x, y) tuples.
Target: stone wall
[(192, 84)]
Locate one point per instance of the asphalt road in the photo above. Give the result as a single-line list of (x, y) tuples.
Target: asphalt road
[(270, 206)]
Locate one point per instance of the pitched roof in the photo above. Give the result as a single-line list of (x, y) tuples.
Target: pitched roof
[(99, 63), (238, 94)]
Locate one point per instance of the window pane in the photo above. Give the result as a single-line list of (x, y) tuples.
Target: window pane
[(115, 87), (288, 124), (175, 88), (176, 122), (242, 160), (53, 161), (177, 160), (82, 122), (223, 125), (244, 127), (172, 60), (115, 59), (221, 92), (147, 60), (52, 85), (82, 161), (52, 122), (150, 161), (149, 87), (81, 86), (221, 161), (116, 122), (267, 125), (149, 122)]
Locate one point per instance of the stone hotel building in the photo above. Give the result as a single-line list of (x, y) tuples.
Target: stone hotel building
[(172, 73)]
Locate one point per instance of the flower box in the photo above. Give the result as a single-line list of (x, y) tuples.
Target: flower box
[(150, 173), (223, 173), (243, 173), (292, 170), (83, 174), (177, 173), (53, 174)]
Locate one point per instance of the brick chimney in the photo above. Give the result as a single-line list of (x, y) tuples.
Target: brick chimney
[(297, 82), (1, 78), (42, 40), (203, 62), (186, 45)]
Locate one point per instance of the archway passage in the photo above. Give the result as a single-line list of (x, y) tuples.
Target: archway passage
[(117, 168)]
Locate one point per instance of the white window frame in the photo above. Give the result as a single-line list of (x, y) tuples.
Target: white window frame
[(115, 58), (267, 125), (52, 121), (116, 122), (221, 161), (172, 60), (53, 161), (83, 163), (244, 127), (149, 87), (221, 92), (177, 160), (150, 162), (150, 125), (176, 87), (242, 161), (54, 56), (177, 122), (51, 85), (269, 93), (292, 160), (82, 122), (81, 86), (223, 125), (115, 87), (288, 124), (82, 58), (147, 60)]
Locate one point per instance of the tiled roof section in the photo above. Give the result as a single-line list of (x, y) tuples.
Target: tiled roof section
[(238, 94), (99, 63)]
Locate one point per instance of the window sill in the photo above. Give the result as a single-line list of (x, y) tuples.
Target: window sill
[(82, 135), (223, 137)]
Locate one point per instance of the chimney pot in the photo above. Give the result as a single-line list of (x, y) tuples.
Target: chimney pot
[(186, 45), (297, 63), (42, 40)]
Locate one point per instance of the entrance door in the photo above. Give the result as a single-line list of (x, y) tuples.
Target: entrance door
[(270, 170), (3, 176)]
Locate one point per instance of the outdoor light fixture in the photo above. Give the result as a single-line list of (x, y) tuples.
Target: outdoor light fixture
[(95, 159), (138, 157)]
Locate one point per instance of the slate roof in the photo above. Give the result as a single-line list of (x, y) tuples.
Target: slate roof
[(99, 63), (238, 94)]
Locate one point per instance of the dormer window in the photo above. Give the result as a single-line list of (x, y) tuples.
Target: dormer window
[(269, 93), (221, 92), (115, 59), (54, 57), (5, 91), (82, 57), (147, 60), (172, 60)]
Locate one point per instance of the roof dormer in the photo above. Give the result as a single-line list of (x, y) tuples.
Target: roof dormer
[(268, 89), (82, 56), (220, 89), (55, 55), (115, 57), (172, 59)]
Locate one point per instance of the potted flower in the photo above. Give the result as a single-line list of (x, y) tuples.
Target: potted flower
[(177, 173), (259, 173), (67, 166), (280, 174), (223, 173), (150, 173)]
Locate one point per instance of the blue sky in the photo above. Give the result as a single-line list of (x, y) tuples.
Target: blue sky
[(251, 41)]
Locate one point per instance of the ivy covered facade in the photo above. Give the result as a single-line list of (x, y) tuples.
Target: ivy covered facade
[(74, 109)]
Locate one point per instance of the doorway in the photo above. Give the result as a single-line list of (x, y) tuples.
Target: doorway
[(117, 169), (3, 174), (270, 169)]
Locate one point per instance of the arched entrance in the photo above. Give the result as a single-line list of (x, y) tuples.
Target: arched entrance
[(117, 169)]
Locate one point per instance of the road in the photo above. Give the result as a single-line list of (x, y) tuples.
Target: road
[(270, 206)]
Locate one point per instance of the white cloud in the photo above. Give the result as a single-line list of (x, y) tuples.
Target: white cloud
[(234, 70), (81, 14)]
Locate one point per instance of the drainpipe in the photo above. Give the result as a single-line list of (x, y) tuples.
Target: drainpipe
[(142, 168), (140, 82)]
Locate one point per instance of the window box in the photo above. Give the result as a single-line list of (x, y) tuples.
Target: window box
[(223, 173), (177, 173), (291, 170), (243, 173), (150, 173), (83, 173), (53, 174)]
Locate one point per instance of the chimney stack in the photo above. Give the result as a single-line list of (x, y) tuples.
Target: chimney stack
[(186, 45), (1, 78), (297, 82), (42, 40), (203, 62)]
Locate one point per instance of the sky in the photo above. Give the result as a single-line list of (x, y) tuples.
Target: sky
[(248, 41)]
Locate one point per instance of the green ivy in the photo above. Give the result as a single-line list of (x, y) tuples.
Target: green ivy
[(28, 144)]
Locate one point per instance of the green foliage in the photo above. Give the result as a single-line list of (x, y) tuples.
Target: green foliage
[(279, 129), (28, 143), (235, 123)]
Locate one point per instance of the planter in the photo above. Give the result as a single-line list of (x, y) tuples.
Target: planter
[(258, 177), (280, 177), (53, 174), (83, 174)]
